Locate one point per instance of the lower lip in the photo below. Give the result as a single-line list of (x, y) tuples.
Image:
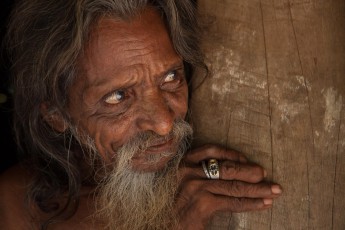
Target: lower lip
[(160, 147)]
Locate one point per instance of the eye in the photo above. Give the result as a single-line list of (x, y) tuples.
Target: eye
[(116, 97), (173, 80), (171, 76)]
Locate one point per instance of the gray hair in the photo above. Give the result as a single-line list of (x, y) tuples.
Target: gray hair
[(45, 39)]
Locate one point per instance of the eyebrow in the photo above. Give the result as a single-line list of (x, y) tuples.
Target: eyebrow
[(99, 83), (176, 65)]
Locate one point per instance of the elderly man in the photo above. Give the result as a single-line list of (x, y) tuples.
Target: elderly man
[(101, 101)]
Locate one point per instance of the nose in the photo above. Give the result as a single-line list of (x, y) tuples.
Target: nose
[(155, 114)]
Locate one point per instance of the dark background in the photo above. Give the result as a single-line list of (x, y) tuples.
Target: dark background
[(7, 144)]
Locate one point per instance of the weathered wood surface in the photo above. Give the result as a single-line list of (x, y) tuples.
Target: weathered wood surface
[(276, 92)]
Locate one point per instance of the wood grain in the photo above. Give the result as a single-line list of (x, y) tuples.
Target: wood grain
[(276, 92)]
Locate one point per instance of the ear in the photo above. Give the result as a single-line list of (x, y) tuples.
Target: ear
[(53, 118)]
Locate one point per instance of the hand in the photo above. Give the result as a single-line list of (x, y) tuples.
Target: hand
[(240, 187)]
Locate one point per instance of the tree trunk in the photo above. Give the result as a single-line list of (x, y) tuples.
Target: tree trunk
[(275, 92)]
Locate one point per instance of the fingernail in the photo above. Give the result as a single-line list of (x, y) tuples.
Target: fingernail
[(268, 201), (265, 173), (276, 189)]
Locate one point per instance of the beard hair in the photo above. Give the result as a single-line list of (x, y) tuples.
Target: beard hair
[(128, 199)]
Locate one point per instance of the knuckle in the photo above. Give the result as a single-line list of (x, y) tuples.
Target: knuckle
[(257, 173), (238, 204), (230, 168), (243, 189), (237, 189), (246, 204), (212, 148)]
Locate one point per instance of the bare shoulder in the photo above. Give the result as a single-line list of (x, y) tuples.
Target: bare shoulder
[(13, 188), (14, 180), (15, 215), (13, 185)]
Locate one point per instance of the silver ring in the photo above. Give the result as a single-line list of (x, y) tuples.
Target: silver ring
[(204, 167), (213, 168)]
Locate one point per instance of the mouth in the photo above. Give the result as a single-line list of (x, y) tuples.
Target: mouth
[(160, 145), (156, 156)]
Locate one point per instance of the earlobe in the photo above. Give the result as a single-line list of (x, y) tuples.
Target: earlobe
[(53, 118)]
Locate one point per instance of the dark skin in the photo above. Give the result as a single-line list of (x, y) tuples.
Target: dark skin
[(132, 80)]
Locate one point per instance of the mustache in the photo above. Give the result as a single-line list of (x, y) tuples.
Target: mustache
[(181, 134), (149, 138), (143, 140)]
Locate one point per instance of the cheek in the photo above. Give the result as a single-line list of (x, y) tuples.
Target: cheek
[(179, 102), (109, 134)]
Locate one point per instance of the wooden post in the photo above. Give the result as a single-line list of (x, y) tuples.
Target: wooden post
[(276, 92)]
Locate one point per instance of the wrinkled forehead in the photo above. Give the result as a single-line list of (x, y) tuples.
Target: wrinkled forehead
[(141, 24), (121, 49), (146, 28)]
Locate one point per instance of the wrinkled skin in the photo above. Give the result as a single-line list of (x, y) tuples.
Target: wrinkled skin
[(241, 187), (131, 80)]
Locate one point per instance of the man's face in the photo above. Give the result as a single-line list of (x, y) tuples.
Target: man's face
[(130, 80)]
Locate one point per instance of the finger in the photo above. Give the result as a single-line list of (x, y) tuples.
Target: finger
[(229, 170), (247, 172), (213, 151), (234, 204), (205, 205), (242, 189), (229, 188)]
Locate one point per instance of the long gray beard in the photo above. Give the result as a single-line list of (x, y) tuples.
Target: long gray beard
[(142, 200)]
